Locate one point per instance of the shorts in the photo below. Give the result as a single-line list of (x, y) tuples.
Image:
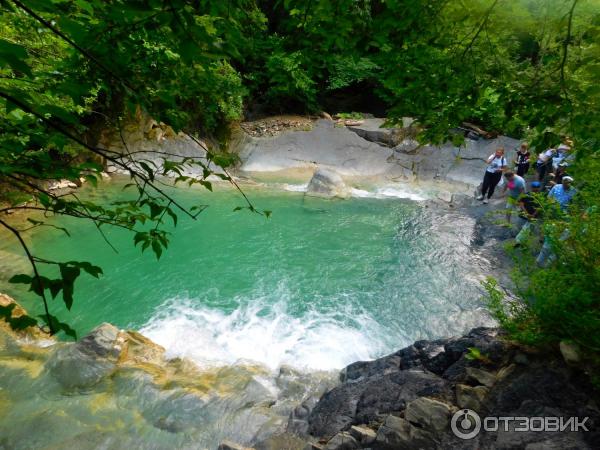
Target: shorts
[(512, 204)]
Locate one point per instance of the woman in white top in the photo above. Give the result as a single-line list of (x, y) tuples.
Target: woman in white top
[(493, 173)]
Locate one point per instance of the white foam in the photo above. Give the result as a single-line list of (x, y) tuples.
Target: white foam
[(296, 187), (390, 192), (257, 332)]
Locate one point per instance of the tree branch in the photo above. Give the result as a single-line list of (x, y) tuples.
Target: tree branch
[(31, 259)]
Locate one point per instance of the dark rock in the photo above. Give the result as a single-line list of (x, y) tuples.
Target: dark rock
[(298, 419), (506, 381), (428, 413), (362, 369), (354, 403), (398, 434), (342, 441)]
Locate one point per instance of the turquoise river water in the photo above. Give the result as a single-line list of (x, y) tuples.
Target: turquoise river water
[(267, 309), (320, 284)]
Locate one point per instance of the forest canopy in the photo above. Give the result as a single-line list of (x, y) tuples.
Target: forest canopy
[(70, 68)]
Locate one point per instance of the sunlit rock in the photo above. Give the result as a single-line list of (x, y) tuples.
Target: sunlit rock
[(87, 362), (327, 183)]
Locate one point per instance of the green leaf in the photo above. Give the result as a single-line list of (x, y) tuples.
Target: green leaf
[(172, 215), (14, 56), (157, 249), (57, 325), (20, 279)]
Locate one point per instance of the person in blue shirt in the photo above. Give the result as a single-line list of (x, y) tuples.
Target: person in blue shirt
[(563, 193)]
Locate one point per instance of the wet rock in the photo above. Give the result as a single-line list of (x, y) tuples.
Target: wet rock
[(88, 361), (298, 420), (398, 434), (570, 352), (327, 183), (138, 349), (428, 413), (363, 434), (471, 397)]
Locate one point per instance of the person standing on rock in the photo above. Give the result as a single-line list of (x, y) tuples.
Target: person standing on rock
[(516, 187), (493, 173), (563, 193), (522, 159), (544, 163), (530, 209)]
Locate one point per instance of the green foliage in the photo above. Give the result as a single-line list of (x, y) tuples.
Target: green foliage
[(350, 116), (348, 70), (289, 79), (474, 354), (69, 68)]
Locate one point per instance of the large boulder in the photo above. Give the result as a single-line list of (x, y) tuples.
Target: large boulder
[(87, 362), (428, 413), (327, 183)]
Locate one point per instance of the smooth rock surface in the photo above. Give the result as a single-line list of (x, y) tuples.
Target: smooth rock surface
[(88, 361), (362, 434), (428, 413), (327, 183), (342, 441), (351, 155)]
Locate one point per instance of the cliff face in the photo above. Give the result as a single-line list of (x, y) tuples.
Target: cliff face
[(409, 398)]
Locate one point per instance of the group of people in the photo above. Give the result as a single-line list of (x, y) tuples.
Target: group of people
[(552, 179)]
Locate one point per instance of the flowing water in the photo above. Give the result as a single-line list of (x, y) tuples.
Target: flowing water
[(320, 284)]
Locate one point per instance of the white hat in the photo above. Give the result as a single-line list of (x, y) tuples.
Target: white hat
[(569, 179)]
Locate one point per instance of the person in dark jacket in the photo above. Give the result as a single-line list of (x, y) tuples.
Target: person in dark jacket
[(522, 159)]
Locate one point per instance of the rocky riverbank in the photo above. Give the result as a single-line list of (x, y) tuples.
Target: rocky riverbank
[(407, 399), (116, 389), (122, 382)]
